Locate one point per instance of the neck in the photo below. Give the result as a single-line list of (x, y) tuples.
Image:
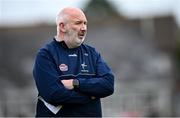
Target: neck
[(67, 43), (58, 38)]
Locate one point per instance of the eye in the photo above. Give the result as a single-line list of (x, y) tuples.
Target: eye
[(85, 23), (78, 22)]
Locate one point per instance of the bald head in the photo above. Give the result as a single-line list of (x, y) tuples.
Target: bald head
[(71, 26), (69, 12)]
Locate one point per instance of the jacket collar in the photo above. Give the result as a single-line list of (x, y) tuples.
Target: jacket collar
[(62, 43)]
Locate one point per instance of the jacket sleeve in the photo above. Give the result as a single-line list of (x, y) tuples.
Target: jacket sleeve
[(100, 86), (49, 85)]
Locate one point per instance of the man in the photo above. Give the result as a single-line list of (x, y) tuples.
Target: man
[(70, 76)]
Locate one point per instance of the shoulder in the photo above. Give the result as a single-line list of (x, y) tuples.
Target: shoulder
[(90, 49), (48, 48)]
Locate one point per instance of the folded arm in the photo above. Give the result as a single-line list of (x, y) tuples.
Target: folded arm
[(50, 87), (100, 86)]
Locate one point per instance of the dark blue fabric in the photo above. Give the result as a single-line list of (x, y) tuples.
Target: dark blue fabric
[(83, 63)]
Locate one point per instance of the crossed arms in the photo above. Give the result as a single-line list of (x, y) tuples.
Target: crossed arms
[(60, 91)]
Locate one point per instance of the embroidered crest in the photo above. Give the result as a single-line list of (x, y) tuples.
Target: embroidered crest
[(63, 67), (84, 67)]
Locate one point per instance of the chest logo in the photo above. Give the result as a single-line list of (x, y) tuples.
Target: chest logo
[(63, 67), (83, 65), (72, 55)]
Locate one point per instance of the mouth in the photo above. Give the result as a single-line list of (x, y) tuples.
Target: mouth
[(81, 35)]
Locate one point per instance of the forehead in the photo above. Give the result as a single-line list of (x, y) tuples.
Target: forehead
[(78, 17), (76, 14)]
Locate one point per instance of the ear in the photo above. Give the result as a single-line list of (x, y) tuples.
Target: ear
[(62, 27)]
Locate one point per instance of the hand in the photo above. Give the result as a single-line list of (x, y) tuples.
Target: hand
[(68, 84)]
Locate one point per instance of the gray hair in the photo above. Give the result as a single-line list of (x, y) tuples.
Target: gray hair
[(61, 18)]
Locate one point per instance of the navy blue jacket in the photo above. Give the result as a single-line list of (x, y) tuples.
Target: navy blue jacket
[(54, 62)]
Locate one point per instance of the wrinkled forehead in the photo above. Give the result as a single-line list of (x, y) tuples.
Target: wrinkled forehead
[(75, 14), (79, 16)]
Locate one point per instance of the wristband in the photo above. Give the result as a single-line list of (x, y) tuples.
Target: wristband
[(76, 83)]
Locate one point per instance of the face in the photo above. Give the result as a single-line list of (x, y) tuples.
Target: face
[(76, 30)]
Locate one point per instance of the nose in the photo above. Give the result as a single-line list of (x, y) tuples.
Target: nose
[(84, 27)]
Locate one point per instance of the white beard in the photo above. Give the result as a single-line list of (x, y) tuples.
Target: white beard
[(73, 40)]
